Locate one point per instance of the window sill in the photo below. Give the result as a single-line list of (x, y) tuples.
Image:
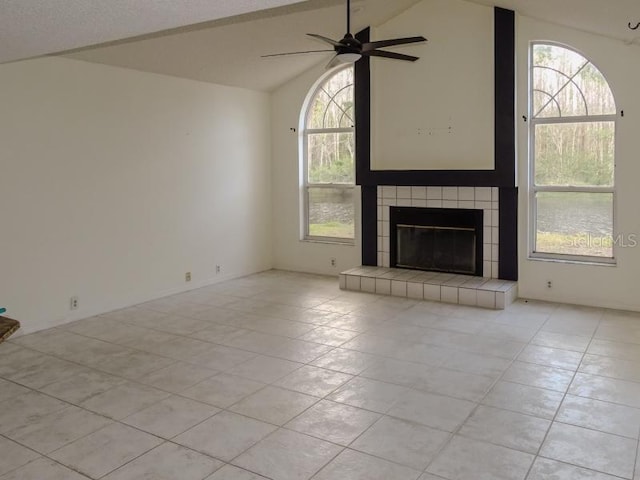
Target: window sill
[(329, 241), (574, 261)]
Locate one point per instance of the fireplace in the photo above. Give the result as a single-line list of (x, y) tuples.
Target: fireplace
[(437, 239)]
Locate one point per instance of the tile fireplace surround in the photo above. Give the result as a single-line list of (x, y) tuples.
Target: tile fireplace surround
[(480, 198), (486, 291)]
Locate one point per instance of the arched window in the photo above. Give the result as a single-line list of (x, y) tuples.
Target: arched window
[(572, 148), (328, 134)]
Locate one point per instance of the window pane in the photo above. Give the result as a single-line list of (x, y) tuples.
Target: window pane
[(333, 105), (575, 154), (575, 224), (567, 84), (331, 212), (331, 157)]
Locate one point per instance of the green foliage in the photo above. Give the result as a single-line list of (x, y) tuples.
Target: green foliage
[(338, 171), (331, 158), (575, 154), (576, 244), (332, 229)]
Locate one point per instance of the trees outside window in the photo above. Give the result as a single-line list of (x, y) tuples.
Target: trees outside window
[(329, 160), (572, 157)]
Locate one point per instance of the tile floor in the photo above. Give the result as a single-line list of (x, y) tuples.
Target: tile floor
[(285, 377)]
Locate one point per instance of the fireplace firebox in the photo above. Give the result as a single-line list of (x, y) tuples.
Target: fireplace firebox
[(436, 239)]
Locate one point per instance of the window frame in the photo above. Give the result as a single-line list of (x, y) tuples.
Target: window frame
[(535, 189), (304, 160)]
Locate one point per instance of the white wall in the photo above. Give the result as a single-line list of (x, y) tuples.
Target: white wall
[(436, 113), (615, 287), (114, 183), (289, 251)]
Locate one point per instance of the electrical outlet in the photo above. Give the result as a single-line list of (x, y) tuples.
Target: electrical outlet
[(549, 284), (218, 269), (73, 303), (187, 277), (333, 262)]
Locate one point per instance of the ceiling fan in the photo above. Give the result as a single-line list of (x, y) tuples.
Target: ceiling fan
[(350, 49)]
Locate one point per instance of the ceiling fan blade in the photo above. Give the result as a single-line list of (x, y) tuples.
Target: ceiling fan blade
[(394, 55), (324, 39), (335, 61), (294, 53), (390, 43)]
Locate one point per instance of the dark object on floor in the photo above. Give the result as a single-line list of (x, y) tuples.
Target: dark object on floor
[(7, 327)]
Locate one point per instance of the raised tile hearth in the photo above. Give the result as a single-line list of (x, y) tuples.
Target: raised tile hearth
[(436, 287)]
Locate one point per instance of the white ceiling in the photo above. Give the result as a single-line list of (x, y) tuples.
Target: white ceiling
[(604, 17), (229, 52), (30, 28), (226, 49)]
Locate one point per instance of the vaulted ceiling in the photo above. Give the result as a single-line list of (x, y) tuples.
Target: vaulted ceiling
[(29, 28), (609, 18), (221, 41), (229, 52)]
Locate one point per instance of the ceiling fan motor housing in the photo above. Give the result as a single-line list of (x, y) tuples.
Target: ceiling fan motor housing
[(349, 44)]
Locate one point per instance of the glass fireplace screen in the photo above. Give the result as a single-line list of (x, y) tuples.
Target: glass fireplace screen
[(444, 249)]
